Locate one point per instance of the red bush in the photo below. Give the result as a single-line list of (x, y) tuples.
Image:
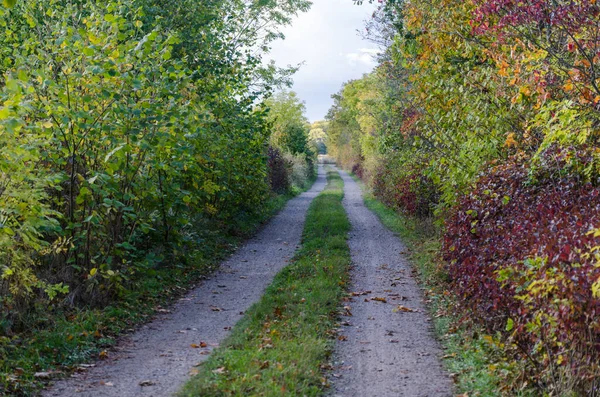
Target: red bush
[(358, 170), (407, 191), (518, 250)]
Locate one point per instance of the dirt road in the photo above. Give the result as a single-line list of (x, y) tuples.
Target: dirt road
[(390, 350), (157, 360)]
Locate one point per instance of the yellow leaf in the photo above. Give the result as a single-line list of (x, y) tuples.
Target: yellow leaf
[(569, 86), (510, 140)]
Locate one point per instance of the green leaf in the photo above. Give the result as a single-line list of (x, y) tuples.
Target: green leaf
[(509, 325)]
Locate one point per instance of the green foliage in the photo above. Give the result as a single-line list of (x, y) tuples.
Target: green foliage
[(131, 131), (285, 338)]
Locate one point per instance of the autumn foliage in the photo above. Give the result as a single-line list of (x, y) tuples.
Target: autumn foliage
[(519, 253), (485, 113)]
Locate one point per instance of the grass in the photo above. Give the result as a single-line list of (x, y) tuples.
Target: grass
[(473, 358), (283, 341), (59, 340)]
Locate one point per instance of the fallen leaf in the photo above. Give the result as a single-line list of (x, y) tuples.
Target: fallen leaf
[(103, 354), (147, 383), (203, 344), (42, 375), (379, 299), (220, 370), (195, 346), (342, 338), (401, 308)]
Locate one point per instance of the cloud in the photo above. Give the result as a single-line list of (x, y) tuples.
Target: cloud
[(326, 40), (364, 56)]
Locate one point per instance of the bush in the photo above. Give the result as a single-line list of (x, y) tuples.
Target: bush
[(301, 169), (523, 258), (406, 190), (357, 169), (278, 171)]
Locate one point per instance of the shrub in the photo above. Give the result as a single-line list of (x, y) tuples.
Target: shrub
[(357, 169), (301, 169), (406, 190), (522, 258), (278, 171)]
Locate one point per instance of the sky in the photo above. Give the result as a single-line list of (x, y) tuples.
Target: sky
[(326, 40)]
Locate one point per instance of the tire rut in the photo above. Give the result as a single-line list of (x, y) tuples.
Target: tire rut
[(157, 359), (390, 349)]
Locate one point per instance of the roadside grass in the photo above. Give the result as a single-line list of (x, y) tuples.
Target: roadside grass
[(59, 340), (281, 344), (474, 359)]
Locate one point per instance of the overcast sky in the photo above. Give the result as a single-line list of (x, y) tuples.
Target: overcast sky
[(326, 39)]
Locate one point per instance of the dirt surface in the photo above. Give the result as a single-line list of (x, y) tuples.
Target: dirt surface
[(156, 360), (390, 349)]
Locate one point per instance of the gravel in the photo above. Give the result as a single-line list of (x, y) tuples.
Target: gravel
[(157, 359), (390, 349)]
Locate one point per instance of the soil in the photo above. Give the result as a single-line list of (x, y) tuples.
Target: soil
[(387, 346), (157, 359)]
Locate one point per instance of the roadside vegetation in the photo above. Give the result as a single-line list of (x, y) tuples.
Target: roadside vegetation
[(482, 119), (136, 150), (283, 343)]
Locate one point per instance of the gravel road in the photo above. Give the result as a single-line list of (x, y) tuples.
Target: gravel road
[(390, 349), (156, 360)]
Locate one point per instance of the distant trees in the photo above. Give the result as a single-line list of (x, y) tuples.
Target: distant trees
[(290, 136)]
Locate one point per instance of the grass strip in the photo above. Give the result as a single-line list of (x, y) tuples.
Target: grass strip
[(278, 348), (473, 359), (59, 340)]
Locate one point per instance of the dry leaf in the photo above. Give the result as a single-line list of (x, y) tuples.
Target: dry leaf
[(147, 383), (401, 308), (379, 299)]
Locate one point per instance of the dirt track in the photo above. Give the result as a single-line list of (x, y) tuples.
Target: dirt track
[(157, 360), (390, 350)]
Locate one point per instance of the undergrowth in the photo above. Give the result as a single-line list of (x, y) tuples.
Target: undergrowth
[(285, 338)]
